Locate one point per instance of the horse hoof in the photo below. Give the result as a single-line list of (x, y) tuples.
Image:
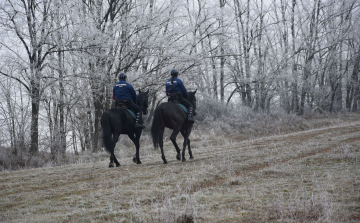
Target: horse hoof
[(111, 165), (165, 162), (138, 162), (178, 157), (117, 165), (183, 160), (191, 157), (134, 160)]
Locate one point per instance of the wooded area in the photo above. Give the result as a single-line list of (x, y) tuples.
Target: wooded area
[(60, 60)]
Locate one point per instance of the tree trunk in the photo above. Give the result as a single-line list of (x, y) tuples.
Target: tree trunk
[(62, 145), (35, 102), (260, 91), (247, 45), (353, 86), (222, 52), (310, 52), (294, 85)]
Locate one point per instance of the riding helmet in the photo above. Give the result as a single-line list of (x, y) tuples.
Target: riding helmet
[(122, 75), (174, 72)]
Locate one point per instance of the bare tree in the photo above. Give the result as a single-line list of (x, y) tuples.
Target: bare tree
[(31, 22)]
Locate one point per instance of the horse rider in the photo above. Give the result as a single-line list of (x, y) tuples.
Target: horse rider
[(124, 93), (175, 90)]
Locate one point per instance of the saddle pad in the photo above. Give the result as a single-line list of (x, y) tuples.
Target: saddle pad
[(131, 113), (183, 108)]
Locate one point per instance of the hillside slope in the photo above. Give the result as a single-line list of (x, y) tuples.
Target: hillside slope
[(306, 176)]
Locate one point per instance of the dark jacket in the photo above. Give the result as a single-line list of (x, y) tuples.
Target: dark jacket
[(178, 86), (124, 90)]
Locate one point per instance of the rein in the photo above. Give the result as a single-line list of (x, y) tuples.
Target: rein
[(142, 107)]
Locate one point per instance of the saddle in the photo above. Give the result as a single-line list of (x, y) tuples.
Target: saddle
[(175, 100), (183, 108), (121, 104), (173, 97)]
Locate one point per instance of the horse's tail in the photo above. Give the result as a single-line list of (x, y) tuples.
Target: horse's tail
[(105, 124), (155, 127)]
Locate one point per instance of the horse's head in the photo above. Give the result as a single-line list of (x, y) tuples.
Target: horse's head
[(191, 98), (142, 101)]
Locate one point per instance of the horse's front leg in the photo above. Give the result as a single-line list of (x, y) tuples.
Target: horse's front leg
[(136, 141), (184, 148), (190, 152), (137, 145), (186, 135), (183, 133)]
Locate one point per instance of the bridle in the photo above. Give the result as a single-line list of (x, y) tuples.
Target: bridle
[(143, 108)]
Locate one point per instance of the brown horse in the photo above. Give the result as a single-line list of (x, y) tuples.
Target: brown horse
[(170, 115), (118, 121)]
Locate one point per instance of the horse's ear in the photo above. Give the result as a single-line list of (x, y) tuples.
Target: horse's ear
[(195, 91), (147, 92)]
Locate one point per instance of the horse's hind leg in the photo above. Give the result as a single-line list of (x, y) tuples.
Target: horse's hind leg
[(116, 138), (173, 140), (161, 145), (113, 160), (111, 164), (112, 156)]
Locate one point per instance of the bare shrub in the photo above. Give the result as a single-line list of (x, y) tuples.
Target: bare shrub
[(24, 160), (315, 112), (235, 120)]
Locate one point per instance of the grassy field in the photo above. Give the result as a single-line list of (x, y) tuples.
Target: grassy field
[(305, 176)]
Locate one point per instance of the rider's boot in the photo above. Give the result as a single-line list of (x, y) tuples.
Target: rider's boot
[(139, 121), (190, 115)]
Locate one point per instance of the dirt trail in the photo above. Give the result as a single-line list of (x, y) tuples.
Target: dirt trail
[(327, 139), (93, 192)]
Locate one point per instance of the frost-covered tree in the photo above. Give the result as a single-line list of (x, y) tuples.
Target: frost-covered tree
[(31, 23)]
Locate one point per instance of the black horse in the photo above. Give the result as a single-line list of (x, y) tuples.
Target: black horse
[(170, 115), (118, 121)]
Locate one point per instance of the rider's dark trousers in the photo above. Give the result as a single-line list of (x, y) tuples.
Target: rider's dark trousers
[(185, 102), (130, 104)]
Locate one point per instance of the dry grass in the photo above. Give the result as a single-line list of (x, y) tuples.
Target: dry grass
[(307, 176)]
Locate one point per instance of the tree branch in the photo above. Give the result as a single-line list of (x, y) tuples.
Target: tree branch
[(17, 79)]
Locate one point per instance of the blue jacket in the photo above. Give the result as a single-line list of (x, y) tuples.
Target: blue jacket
[(178, 86), (124, 90)]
